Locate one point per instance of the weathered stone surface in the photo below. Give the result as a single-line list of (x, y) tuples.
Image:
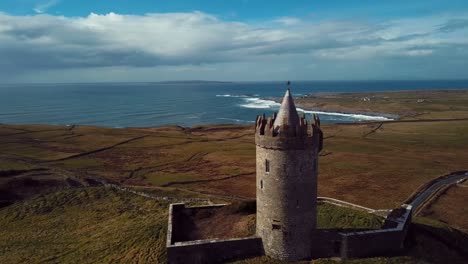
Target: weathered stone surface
[(286, 184)]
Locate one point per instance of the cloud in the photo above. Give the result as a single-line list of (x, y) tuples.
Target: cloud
[(191, 43), (453, 25), (288, 21), (42, 7)]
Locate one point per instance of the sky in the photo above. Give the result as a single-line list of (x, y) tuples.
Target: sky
[(232, 40)]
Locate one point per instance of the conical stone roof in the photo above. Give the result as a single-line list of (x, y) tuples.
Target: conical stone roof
[(287, 113)]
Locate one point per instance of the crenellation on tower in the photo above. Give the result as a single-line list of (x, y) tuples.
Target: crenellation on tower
[(304, 128)]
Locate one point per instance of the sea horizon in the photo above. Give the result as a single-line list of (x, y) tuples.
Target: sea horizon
[(237, 81)]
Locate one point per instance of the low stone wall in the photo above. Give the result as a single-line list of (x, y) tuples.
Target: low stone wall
[(326, 243), (377, 242), (205, 251), (366, 244), (214, 251)]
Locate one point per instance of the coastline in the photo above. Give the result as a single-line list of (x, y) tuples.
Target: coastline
[(397, 105), (372, 116), (241, 109)]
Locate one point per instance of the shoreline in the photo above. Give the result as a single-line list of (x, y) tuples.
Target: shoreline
[(218, 127), (316, 103), (304, 108), (397, 105), (339, 107)]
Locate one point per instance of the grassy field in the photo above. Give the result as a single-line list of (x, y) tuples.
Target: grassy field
[(102, 225), (409, 105), (429, 241), (336, 217), (92, 225)]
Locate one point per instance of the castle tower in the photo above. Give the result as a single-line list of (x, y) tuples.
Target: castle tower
[(287, 153)]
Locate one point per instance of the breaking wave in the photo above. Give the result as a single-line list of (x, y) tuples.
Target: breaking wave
[(236, 120), (236, 95), (259, 103), (353, 116), (270, 104)]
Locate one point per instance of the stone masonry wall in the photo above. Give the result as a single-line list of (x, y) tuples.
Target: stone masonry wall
[(324, 243), (286, 201), (377, 242), (205, 251), (214, 251), (366, 244)]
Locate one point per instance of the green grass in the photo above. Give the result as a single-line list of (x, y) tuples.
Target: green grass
[(428, 241), (336, 217), (101, 225), (93, 225)]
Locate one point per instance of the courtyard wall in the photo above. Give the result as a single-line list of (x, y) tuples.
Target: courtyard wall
[(209, 250)]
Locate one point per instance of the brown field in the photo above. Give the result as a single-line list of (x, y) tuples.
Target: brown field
[(450, 207), (230, 221), (376, 165)]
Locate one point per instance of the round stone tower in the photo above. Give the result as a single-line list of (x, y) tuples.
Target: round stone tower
[(287, 152)]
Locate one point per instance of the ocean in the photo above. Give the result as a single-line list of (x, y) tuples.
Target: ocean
[(176, 103)]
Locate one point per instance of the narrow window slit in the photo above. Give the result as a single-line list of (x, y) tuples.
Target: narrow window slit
[(276, 227)]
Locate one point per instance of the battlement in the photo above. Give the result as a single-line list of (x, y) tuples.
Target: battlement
[(265, 127), (304, 134)]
